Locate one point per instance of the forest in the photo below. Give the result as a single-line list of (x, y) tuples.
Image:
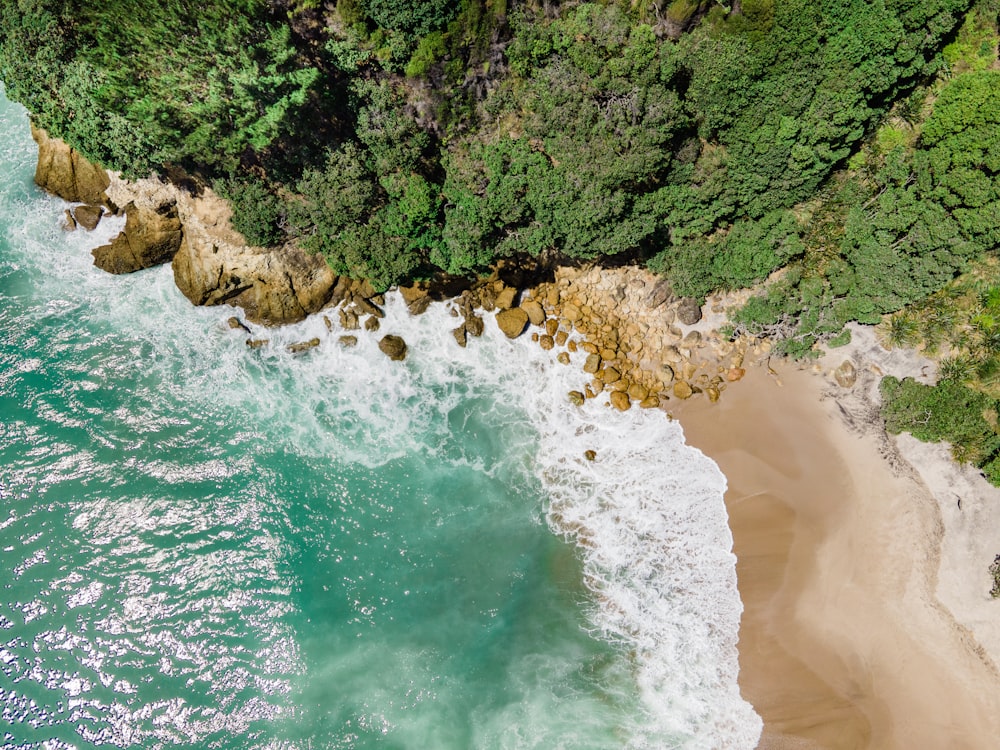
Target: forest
[(853, 145)]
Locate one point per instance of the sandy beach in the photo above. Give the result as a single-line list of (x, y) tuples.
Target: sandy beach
[(844, 642)]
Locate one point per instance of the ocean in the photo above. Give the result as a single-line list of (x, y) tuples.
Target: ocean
[(206, 546)]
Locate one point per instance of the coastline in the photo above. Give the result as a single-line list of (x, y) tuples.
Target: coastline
[(844, 640)]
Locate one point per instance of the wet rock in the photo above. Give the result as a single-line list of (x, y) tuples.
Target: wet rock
[(590, 455), (561, 338), (62, 171), (682, 389), (371, 323), (257, 343), (367, 308), (546, 342), (303, 346), (236, 323), (474, 325), (735, 373), (460, 336), (349, 320), (576, 398), (609, 375), (68, 222), (512, 322), (593, 363), (348, 341), (536, 315), (637, 392), (328, 323), (563, 358), (688, 311), (620, 400), (393, 347), (713, 393), (151, 236), (551, 326), (650, 402), (505, 298), (88, 217), (571, 312)]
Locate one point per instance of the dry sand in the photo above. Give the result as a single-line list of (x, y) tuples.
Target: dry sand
[(844, 641)]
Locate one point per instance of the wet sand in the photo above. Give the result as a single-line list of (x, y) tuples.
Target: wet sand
[(842, 641)]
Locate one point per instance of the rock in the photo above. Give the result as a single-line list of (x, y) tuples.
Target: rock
[(846, 375), (693, 339), (571, 312), (393, 347), (682, 390), (62, 171), (561, 337), (303, 346), (349, 320), (88, 217), (68, 222), (671, 355), (576, 398), (590, 455), (650, 402), (713, 393), (571, 345), (367, 308), (637, 392), (348, 341), (474, 325), (512, 322), (563, 358), (546, 342), (593, 364), (609, 375), (688, 311), (551, 325), (460, 336), (735, 373), (620, 400), (151, 237), (659, 294), (371, 323), (235, 323), (257, 343), (328, 323), (505, 298), (666, 372), (536, 315)]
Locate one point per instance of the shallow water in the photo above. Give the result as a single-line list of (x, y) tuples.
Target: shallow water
[(209, 547)]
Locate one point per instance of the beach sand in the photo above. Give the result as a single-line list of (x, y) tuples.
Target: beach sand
[(843, 641)]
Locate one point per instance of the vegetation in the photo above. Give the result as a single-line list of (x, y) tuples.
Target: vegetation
[(854, 148)]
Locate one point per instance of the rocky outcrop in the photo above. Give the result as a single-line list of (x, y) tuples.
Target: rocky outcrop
[(62, 171), (393, 347), (512, 321), (151, 236)]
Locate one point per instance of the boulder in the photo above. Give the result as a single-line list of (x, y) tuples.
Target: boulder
[(303, 346), (563, 358), (371, 323), (68, 222), (659, 294), (546, 342), (512, 322), (474, 325), (536, 315), (593, 363), (349, 320), (846, 375), (151, 236), (576, 398), (393, 347), (347, 341), (688, 311), (257, 343), (682, 390), (460, 336), (235, 323), (620, 400), (88, 216), (505, 298), (650, 402), (62, 171)]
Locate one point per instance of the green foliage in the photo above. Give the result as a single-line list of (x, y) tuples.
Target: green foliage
[(948, 411), (257, 211), (415, 16)]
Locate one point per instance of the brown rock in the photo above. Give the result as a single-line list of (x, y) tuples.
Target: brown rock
[(235, 323), (546, 342), (563, 358), (650, 402), (620, 400), (349, 320), (713, 393), (561, 338), (505, 298), (846, 375), (571, 346), (608, 354), (68, 222), (393, 347), (460, 336), (257, 343), (609, 375), (571, 312), (551, 326), (367, 308), (536, 315), (303, 346), (659, 294), (576, 398), (590, 455), (62, 171), (88, 217), (150, 237), (474, 325), (348, 341), (593, 363), (512, 322), (682, 390), (328, 323), (372, 323), (637, 392), (735, 373)]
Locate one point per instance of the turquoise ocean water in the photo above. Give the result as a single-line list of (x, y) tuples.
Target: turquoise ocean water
[(203, 546)]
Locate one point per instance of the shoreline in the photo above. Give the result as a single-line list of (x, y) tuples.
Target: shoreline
[(844, 639)]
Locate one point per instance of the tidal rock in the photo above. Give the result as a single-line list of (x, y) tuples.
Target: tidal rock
[(393, 347), (637, 392), (563, 358), (536, 315), (474, 325), (609, 375), (688, 311), (303, 346), (551, 325), (682, 390), (650, 402), (62, 171), (460, 336), (512, 322), (590, 455), (846, 375), (576, 398), (151, 236), (735, 373), (257, 343), (546, 342), (88, 216), (505, 298), (347, 341), (235, 323), (620, 400), (349, 320), (593, 363), (371, 323), (68, 222)]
